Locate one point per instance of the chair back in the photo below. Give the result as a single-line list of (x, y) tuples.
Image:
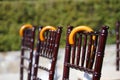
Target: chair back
[(84, 51), (117, 45), (27, 33), (46, 52)]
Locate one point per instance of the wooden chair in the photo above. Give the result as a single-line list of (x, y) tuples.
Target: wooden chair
[(117, 45), (27, 32), (47, 49), (84, 51)]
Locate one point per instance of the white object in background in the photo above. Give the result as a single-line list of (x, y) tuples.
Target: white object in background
[(87, 76)]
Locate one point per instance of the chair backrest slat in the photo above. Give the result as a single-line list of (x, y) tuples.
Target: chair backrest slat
[(88, 51), (92, 56), (73, 53), (84, 50), (79, 49)]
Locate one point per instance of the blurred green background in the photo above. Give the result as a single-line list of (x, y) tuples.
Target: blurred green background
[(93, 13)]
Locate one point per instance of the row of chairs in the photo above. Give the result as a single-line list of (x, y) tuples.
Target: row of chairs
[(84, 51)]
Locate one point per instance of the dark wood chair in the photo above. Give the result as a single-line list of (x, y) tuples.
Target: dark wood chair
[(84, 52), (46, 52), (27, 33), (117, 45)]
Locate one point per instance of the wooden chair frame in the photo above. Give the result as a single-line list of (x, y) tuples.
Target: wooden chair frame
[(48, 49), (27, 44), (117, 45), (87, 55)]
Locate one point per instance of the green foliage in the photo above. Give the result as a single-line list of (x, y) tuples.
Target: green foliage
[(16, 13)]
